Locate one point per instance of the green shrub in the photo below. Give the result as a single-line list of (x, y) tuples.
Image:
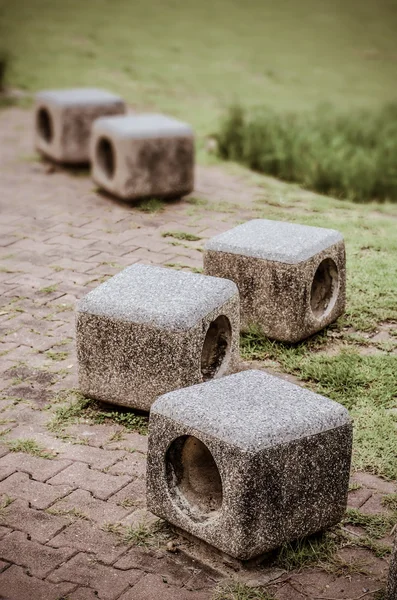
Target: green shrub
[(349, 155), (4, 63)]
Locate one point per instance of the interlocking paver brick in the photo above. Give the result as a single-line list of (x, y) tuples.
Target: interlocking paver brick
[(96, 435), (153, 586), (96, 457), (68, 240), (374, 505), (132, 464), (373, 482), (108, 582), (39, 525), (3, 565), (86, 536), (202, 581), (40, 469), (15, 584), (146, 256), (4, 531), (83, 593), (358, 497), (3, 449), (140, 558), (130, 441), (40, 560), (97, 510), (37, 433), (6, 470), (133, 494), (352, 587), (140, 517), (172, 571), (80, 475), (40, 495)]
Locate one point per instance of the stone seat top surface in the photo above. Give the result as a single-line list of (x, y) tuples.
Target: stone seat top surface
[(77, 96), (275, 240), (141, 126), (252, 410), (157, 295)]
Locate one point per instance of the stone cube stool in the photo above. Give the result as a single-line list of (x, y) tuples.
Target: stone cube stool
[(149, 330), (63, 121), (391, 593), (143, 155), (291, 278), (248, 462)]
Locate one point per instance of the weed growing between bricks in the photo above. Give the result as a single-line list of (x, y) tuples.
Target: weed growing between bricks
[(29, 446), (181, 235), (151, 205), (180, 266), (76, 408), (316, 549), (73, 514), (390, 502), (240, 591), (144, 535), (375, 526), (5, 502)]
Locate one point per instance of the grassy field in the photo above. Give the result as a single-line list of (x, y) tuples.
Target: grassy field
[(193, 58)]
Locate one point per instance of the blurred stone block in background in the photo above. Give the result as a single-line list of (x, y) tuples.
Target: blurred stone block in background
[(145, 155), (64, 118)]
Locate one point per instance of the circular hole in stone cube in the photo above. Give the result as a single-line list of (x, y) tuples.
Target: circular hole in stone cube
[(44, 125), (324, 288), (215, 355), (193, 478), (106, 157)]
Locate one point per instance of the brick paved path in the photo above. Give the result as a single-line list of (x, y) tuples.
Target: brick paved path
[(58, 538)]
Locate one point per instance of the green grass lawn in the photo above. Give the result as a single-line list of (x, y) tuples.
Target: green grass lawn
[(192, 58)]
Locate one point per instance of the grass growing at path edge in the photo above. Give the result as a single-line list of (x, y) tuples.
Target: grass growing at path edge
[(239, 591), (78, 408), (346, 155)]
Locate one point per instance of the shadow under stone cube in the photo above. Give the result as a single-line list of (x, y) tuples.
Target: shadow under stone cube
[(64, 118), (248, 462), (391, 593), (291, 278), (138, 156), (149, 330)]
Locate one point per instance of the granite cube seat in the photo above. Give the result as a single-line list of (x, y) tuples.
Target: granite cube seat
[(64, 118), (149, 330), (391, 593), (291, 278), (143, 155), (248, 462)]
